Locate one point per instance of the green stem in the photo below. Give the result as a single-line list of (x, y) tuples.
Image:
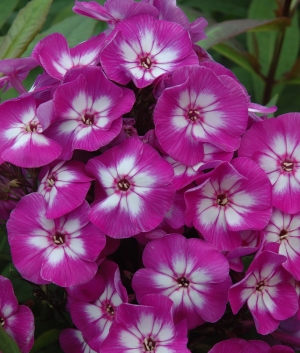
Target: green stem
[(270, 80)]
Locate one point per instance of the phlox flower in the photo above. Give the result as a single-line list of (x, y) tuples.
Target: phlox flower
[(135, 190), (64, 186), (54, 55), (265, 287), (71, 341), (22, 141), (191, 272), (61, 250), (88, 111), (168, 11), (185, 174), (251, 241), (15, 71), (200, 107), (95, 317), (148, 327), (237, 345), (113, 11), (275, 145), (140, 50), (17, 320), (282, 235), (231, 198)]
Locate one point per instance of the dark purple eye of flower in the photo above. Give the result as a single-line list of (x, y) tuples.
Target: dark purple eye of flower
[(287, 166), (59, 238), (222, 200), (88, 119), (146, 62), (193, 115), (149, 344), (123, 184), (31, 127), (2, 322), (110, 309), (260, 285), (51, 180), (283, 234), (183, 282)]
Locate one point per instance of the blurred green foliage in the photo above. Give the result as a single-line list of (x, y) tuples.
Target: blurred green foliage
[(257, 39)]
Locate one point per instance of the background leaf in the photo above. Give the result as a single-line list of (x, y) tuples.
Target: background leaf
[(6, 8), (7, 344), (262, 45), (26, 25), (219, 32), (45, 340), (76, 29)]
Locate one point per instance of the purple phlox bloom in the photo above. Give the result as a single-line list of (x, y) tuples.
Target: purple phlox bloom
[(146, 327), (222, 72), (64, 186), (168, 11), (201, 107), (87, 111), (113, 11), (289, 332), (10, 193), (17, 320), (95, 317), (282, 235), (44, 87), (185, 174), (231, 198), (191, 272), (265, 287), (127, 131), (140, 50), (251, 241), (237, 345), (62, 250), (15, 71), (202, 54), (275, 145), (135, 183), (57, 62), (71, 341), (22, 141)]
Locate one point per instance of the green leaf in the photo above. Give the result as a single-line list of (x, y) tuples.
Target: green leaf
[(243, 59), (45, 339), (7, 344), (6, 8), (26, 25), (219, 32), (76, 29)]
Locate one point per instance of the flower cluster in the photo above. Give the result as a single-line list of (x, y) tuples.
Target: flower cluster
[(137, 133)]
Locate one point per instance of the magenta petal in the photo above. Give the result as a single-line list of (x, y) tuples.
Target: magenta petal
[(71, 341), (8, 300), (56, 62), (22, 334)]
